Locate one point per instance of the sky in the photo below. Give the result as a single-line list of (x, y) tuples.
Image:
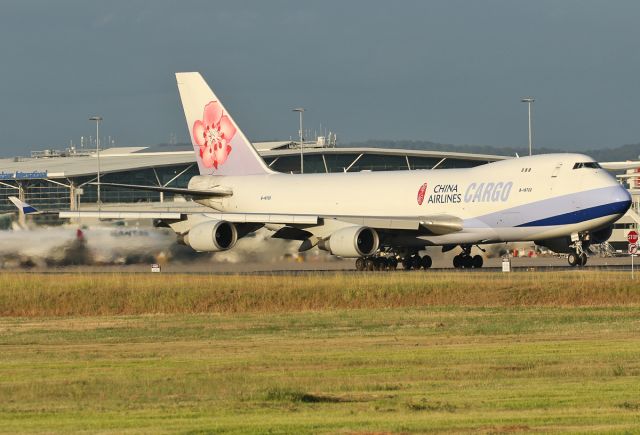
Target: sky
[(449, 71)]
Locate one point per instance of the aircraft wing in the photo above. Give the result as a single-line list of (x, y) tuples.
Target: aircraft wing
[(437, 225), (618, 166), (287, 219)]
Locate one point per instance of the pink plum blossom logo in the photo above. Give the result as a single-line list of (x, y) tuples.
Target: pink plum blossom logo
[(213, 135), (421, 192)]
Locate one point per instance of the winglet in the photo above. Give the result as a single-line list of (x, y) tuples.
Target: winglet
[(22, 206)]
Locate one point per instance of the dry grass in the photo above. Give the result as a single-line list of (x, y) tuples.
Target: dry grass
[(444, 352), (36, 295)]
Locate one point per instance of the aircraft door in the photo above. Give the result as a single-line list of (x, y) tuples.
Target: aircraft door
[(555, 175)]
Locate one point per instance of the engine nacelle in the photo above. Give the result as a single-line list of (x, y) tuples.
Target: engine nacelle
[(352, 242), (212, 236), (602, 235), (560, 245)]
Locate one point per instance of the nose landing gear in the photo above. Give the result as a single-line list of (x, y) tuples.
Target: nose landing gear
[(577, 259), (577, 255)]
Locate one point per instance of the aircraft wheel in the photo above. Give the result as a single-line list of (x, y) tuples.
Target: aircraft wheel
[(467, 262), (384, 263), (393, 263), (426, 262), (573, 259), (583, 259), (406, 263), (416, 262), (477, 261), (360, 264), (457, 261), (369, 264)]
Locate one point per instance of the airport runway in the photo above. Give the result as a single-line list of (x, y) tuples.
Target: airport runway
[(338, 265)]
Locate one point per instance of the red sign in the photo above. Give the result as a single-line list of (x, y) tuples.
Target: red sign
[(632, 237)]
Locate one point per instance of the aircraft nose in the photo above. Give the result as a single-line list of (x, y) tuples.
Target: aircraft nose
[(622, 197)]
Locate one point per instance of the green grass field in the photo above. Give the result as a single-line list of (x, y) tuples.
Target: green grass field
[(398, 353)]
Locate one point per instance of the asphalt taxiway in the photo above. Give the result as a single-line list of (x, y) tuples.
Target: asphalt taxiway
[(549, 263)]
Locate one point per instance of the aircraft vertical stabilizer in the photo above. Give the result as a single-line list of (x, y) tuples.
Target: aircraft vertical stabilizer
[(221, 147)]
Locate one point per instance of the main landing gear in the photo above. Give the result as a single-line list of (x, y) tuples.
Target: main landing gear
[(415, 262), (464, 260), (390, 262), (376, 263)]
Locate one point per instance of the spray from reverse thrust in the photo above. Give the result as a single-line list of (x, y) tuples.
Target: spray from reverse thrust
[(59, 246)]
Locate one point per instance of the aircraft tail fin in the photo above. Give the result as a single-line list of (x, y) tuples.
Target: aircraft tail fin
[(23, 207), (221, 147)]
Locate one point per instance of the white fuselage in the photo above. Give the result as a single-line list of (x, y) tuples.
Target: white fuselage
[(529, 198)]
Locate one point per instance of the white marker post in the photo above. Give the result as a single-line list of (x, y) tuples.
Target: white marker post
[(506, 263), (633, 251), (632, 237)]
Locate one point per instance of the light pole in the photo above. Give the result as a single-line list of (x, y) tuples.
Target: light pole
[(300, 110), (97, 119), (529, 100)]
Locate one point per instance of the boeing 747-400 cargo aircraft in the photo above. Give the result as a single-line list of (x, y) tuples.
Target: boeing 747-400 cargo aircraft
[(561, 201)]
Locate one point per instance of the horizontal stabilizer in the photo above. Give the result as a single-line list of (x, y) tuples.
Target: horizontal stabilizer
[(214, 192), (120, 215)]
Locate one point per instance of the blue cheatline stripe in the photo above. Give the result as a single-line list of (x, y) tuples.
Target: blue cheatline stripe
[(586, 214), (28, 209)]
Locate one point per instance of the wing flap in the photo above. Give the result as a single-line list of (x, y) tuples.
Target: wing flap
[(437, 224), (380, 222), (291, 219)]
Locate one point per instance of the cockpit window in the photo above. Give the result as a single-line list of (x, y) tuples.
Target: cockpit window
[(592, 165)]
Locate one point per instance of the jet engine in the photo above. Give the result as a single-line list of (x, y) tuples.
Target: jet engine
[(212, 236), (352, 242), (601, 235)]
